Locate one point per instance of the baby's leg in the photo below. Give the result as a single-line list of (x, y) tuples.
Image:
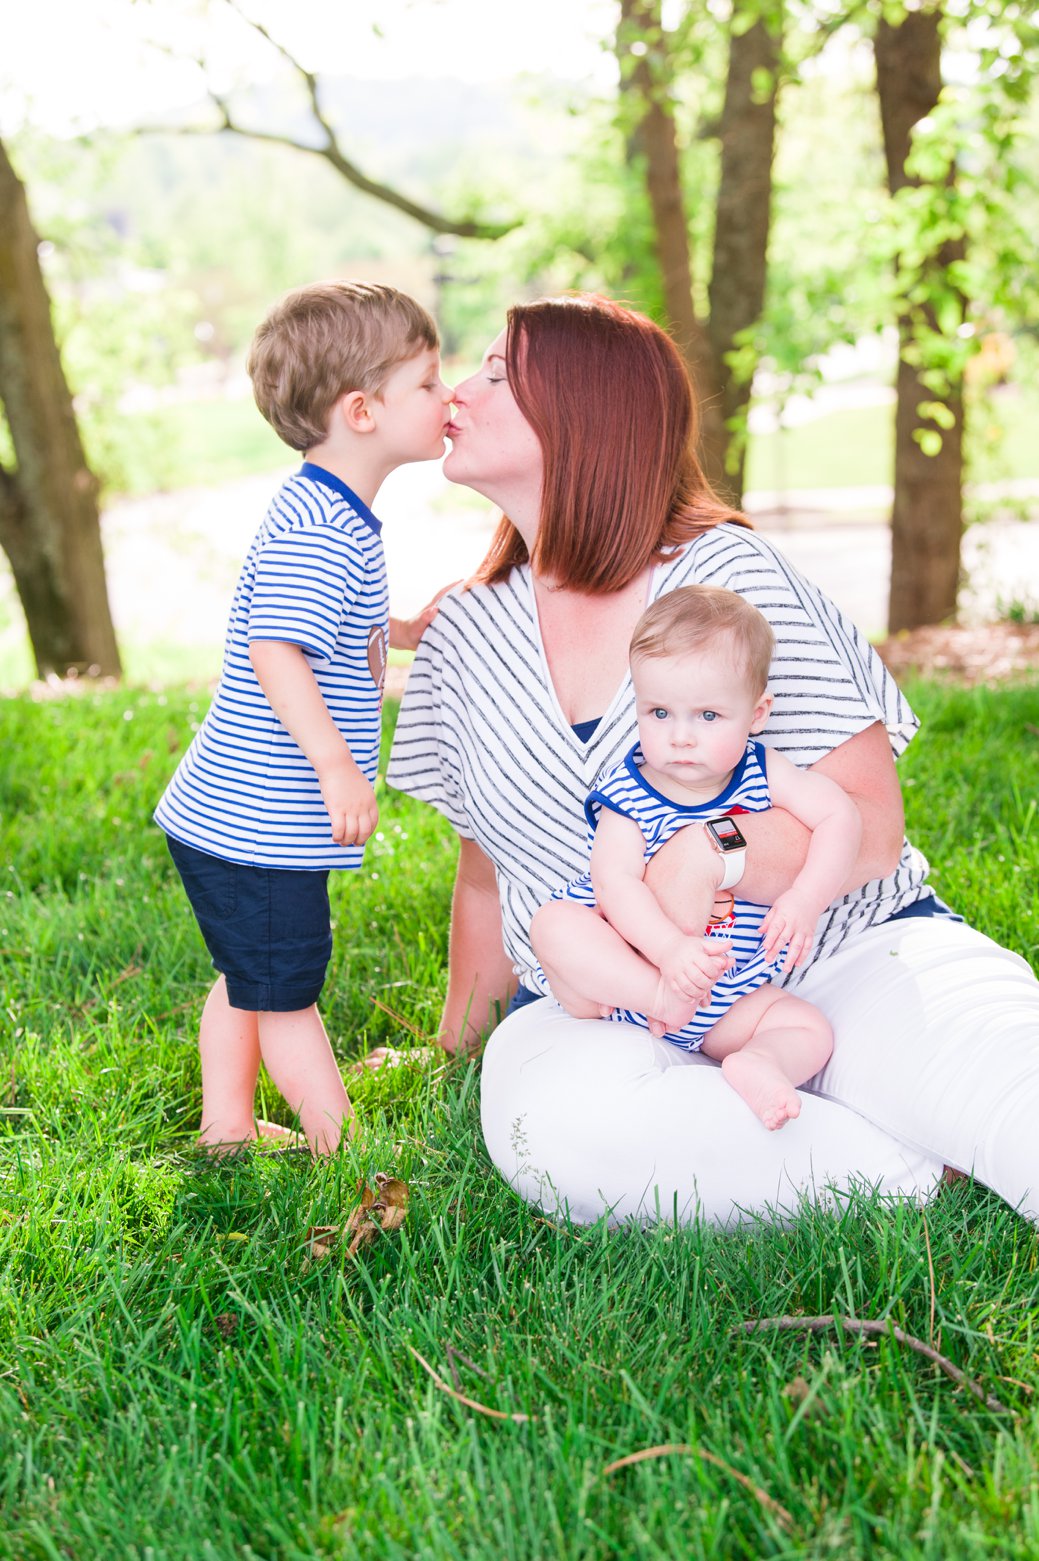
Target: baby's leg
[(768, 1043), (229, 1052), (591, 968), (297, 1055)]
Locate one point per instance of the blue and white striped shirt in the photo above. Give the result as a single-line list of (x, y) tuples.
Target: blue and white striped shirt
[(481, 735), (315, 576), (626, 791)]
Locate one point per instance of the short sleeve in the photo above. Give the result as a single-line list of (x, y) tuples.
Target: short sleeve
[(827, 681), (305, 582), (425, 760)]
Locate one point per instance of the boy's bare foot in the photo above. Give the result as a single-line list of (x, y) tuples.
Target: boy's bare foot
[(282, 1137), (764, 1086), (390, 1057)]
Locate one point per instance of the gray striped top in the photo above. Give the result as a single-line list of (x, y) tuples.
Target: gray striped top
[(482, 738)]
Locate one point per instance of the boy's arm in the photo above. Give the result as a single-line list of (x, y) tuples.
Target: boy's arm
[(291, 689), (632, 909), (833, 846)]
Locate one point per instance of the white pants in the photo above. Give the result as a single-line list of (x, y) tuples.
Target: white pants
[(936, 1053)]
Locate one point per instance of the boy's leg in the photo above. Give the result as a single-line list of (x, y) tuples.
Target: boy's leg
[(767, 1044), (229, 1052), (298, 1056), (591, 969)]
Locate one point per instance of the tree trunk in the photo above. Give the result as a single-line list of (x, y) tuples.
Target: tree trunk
[(927, 513), (743, 214), (646, 76), (49, 522)]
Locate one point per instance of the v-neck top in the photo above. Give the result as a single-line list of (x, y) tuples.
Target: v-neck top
[(481, 735)]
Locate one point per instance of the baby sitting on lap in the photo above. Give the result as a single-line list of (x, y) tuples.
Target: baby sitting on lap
[(700, 659)]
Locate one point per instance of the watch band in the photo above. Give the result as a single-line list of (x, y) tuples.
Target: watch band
[(733, 862), (734, 855)]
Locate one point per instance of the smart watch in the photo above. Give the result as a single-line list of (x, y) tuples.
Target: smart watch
[(724, 835)]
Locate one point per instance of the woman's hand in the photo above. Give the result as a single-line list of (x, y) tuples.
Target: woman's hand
[(405, 633)]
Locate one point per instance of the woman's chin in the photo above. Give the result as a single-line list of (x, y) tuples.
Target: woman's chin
[(454, 466)]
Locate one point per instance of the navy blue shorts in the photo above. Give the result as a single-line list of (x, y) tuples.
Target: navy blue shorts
[(268, 929)]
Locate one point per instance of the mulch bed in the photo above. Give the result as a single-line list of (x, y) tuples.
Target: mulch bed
[(988, 653)]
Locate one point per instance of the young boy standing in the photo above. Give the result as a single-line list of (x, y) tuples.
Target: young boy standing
[(277, 786)]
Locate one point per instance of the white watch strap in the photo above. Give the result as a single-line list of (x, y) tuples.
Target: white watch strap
[(733, 862)]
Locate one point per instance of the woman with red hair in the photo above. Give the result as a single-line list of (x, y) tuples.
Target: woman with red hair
[(580, 425)]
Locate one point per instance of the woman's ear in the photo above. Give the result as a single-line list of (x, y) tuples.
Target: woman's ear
[(762, 711)]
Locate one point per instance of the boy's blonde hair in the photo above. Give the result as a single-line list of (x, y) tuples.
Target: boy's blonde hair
[(321, 341), (695, 615)]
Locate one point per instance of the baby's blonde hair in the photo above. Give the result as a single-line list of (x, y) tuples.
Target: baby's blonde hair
[(695, 615), (321, 341)]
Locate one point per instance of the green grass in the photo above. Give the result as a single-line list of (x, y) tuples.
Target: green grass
[(855, 447), (178, 1379)]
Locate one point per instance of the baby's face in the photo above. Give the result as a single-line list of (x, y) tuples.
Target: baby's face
[(695, 713)]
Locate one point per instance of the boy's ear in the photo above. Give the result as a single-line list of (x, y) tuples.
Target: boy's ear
[(762, 711), (354, 412)]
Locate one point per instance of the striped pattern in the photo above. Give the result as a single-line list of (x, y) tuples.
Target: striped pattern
[(315, 576), (626, 791), (482, 738)]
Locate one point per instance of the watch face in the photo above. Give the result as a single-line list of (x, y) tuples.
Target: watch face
[(727, 834)]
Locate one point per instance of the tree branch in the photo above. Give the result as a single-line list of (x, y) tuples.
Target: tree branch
[(331, 150)]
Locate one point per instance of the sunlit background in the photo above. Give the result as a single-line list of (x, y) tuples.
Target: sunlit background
[(163, 243)]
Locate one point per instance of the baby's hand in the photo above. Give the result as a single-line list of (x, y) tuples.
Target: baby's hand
[(692, 965), (350, 801), (791, 921)]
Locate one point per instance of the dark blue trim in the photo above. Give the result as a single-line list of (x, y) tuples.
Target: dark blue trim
[(584, 731), (696, 808), (928, 905), (330, 480), (521, 998)]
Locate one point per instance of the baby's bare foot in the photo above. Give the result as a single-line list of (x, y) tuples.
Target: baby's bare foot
[(670, 1009), (764, 1086)]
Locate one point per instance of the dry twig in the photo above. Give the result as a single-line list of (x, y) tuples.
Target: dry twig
[(470, 1403), (779, 1512), (876, 1327)]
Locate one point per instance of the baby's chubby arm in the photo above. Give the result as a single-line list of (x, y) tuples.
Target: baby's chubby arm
[(689, 964), (836, 831), (284, 674)]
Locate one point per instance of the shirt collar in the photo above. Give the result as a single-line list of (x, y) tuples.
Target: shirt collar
[(329, 480)]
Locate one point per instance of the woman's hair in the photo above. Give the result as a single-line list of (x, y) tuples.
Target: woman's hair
[(612, 404), (321, 341), (693, 616)]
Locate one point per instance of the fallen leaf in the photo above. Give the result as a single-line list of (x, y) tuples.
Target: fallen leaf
[(380, 1210)]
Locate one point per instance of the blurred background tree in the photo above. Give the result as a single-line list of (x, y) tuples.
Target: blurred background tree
[(742, 178)]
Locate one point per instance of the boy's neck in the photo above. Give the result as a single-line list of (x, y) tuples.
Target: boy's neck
[(361, 473)]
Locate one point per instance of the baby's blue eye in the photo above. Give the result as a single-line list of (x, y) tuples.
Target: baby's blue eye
[(710, 715), (659, 715)]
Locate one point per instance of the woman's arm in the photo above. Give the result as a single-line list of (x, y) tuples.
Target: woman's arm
[(480, 977), (683, 872)]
